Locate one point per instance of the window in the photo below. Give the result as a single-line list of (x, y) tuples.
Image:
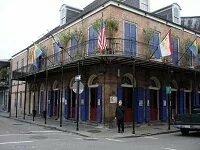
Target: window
[(56, 48), (154, 45), (22, 64), (129, 38), (93, 40), (175, 48), (144, 5), (63, 16), (74, 47), (176, 16)]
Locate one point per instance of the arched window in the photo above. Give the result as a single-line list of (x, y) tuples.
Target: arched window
[(176, 15)]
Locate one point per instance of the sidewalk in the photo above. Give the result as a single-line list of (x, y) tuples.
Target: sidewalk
[(93, 131)]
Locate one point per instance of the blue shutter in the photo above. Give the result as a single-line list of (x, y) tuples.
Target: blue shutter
[(126, 38), (130, 39), (198, 59), (58, 102), (175, 51), (41, 102), (157, 47), (93, 39), (181, 99), (147, 101), (163, 105), (56, 48), (154, 45), (67, 104), (139, 104), (87, 103), (198, 100), (119, 93), (82, 105), (50, 103), (191, 58), (133, 39), (99, 104), (74, 47)]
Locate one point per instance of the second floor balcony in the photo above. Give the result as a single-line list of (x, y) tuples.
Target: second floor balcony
[(116, 47)]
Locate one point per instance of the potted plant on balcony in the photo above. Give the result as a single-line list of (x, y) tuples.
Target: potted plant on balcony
[(64, 39), (111, 27), (148, 34), (78, 35), (185, 52)]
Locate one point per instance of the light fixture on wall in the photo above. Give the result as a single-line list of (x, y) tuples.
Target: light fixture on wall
[(118, 72)]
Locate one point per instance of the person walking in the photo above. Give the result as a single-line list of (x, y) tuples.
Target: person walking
[(119, 115)]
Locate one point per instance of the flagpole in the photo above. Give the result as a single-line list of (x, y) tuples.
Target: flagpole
[(186, 50), (159, 45)]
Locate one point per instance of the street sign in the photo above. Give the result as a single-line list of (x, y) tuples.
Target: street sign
[(81, 87), (168, 90)]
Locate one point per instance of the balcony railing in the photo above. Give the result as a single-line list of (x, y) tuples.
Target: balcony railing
[(115, 47)]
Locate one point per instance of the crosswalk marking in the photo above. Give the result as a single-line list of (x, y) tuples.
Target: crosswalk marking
[(17, 142), (168, 148), (113, 140), (150, 137)]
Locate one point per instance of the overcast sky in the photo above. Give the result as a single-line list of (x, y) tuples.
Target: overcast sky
[(24, 21)]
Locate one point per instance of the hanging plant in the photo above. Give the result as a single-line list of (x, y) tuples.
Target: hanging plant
[(65, 38), (78, 36), (111, 25), (185, 52), (3, 73), (148, 34)]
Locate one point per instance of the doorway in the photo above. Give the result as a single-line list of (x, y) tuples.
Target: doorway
[(187, 102), (127, 103), (56, 104), (93, 104), (72, 104), (154, 105), (173, 104)]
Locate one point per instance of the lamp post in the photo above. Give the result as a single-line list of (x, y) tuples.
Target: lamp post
[(77, 79), (133, 99)]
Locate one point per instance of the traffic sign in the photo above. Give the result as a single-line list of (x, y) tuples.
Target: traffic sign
[(81, 87), (168, 90)]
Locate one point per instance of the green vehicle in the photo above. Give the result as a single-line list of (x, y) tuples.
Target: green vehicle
[(188, 122)]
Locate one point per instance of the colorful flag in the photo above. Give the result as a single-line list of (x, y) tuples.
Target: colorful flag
[(166, 46), (194, 48), (102, 36), (37, 52)]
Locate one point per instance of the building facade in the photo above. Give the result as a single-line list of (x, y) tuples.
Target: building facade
[(130, 69)]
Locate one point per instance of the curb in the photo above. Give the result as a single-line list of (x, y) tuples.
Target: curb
[(83, 135), (46, 126)]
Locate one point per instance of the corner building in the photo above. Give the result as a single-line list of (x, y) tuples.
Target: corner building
[(130, 69)]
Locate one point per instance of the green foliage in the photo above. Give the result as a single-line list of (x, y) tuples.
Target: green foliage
[(78, 35), (3, 72), (148, 34), (111, 25), (65, 38)]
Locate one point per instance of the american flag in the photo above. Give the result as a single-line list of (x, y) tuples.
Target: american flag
[(102, 36)]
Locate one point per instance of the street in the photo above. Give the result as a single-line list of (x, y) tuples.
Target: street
[(15, 135)]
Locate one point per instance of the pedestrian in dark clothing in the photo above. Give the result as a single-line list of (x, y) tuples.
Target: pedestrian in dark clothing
[(119, 115)]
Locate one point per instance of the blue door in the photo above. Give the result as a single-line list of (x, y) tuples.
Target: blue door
[(129, 39), (41, 102), (67, 104), (93, 39), (163, 105), (99, 104), (154, 45), (175, 51)]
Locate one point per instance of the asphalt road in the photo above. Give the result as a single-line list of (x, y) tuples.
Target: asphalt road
[(16, 135)]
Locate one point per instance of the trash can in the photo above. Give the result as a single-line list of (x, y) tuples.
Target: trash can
[(34, 113)]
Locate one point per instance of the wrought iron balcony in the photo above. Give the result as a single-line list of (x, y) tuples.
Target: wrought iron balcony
[(115, 47)]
